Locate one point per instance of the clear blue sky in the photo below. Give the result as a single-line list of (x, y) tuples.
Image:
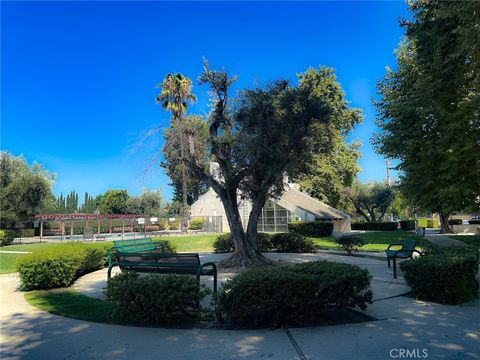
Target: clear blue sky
[(78, 78)]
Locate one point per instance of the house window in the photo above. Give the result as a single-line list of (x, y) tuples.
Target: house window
[(274, 218)]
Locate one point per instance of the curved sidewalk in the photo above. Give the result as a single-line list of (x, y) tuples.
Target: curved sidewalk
[(446, 332)]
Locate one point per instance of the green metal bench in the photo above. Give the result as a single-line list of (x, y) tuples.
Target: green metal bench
[(405, 252), (151, 258)]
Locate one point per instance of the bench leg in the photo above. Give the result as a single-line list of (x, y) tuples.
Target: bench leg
[(394, 268), (388, 261), (109, 272)]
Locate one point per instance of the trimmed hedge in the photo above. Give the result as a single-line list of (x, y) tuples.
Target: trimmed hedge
[(292, 243), (407, 225), (224, 243), (281, 242), (311, 228), (349, 243), (61, 265), (376, 226), (155, 299), (6, 237), (196, 224), (444, 275), (293, 294), (455, 222)]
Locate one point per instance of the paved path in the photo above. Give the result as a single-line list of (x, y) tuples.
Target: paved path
[(445, 332)]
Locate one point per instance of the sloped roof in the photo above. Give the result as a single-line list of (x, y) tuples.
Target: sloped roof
[(317, 208)]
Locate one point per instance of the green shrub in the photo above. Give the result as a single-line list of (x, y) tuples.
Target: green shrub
[(407, 225), (349, 243), (455, 222), (444, 275), (6, 237), (375, 226), (292, 243), (293, 294), (224, 243), (196, 224), (155, 299), (61, 265), (311, 228)]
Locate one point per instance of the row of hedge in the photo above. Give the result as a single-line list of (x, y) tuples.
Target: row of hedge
[(376, 226), (445, 274), (311, 228), (286, 295), (60, 265), (7, 236), (281, 242)]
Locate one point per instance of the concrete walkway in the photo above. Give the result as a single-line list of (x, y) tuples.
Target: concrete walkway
[(443, 240), (445, 332)]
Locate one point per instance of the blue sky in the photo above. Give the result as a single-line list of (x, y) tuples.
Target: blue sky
[(78, 78)]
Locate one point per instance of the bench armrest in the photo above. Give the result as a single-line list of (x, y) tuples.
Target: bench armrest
[(396, 244), (200, 269), (160, 245)]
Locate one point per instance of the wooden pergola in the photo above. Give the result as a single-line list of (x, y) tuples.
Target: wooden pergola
[(63, 218)]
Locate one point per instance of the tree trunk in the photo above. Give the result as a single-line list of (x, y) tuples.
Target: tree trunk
[(246, 251), (446, 227), (184, 221)]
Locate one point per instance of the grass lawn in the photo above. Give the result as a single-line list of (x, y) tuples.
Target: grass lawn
[(69, 303), (196, 243), (375, 241)]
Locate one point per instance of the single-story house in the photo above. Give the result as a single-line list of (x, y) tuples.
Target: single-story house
[(292, 205)]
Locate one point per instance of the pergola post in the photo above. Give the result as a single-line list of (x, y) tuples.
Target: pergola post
[(62, 228), (41, 229), (110, 225), (71, 229), (98, 226), (123, 227)]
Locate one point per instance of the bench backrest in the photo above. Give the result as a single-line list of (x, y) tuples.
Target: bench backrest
[(408, 244), (133, 246), (183, 260)]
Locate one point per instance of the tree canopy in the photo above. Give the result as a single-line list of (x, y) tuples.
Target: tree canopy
[(259, 138), (372, 200), (23, 189), (428, 110)]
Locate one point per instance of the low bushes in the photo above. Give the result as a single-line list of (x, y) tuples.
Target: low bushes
[(6, 237), (455, 222), (444, 275), (60, 265), (349, 243), (196, 224), (224, 243), (311, 228), (281, 242), (155, 299), (293, 294), (407, 225), (292, 243), (376, 226)]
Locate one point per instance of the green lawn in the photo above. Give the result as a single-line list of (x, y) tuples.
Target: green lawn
[(375, 241), (195, 243), (69, 303)]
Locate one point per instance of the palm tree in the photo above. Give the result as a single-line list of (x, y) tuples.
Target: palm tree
[(175, 95)]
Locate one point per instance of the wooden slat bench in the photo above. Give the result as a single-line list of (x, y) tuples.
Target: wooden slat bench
[(148, 257), (405, 252)]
